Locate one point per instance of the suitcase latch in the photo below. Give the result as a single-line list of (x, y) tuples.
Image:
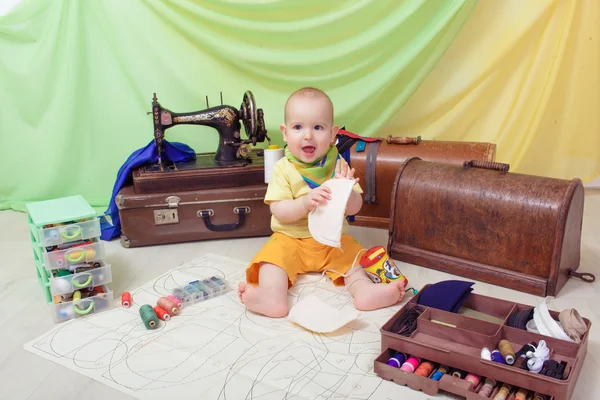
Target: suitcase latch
[(168, 216), (173, 201)]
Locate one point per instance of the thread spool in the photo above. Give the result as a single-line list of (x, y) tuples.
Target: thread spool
[(520, 362), (126, 299), (485, 354), (459, 373), (441, 371), (411, 364), (148, 316), (522, 394), (539, 396), (77, 295), (162, 314), (271, 155), (397, 360), (424, 369), (168, 306), (474, 379), (488, 387), (503, 392), (175, 300), (507, 351), (497, 357)]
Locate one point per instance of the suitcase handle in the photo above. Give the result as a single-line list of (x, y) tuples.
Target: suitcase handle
[(487, 165), (402, 140), (240, 211)]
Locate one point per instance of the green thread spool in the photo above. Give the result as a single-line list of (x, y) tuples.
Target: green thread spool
[(149, 317)]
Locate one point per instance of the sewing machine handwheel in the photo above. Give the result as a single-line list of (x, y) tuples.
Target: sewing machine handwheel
[(249, 116)]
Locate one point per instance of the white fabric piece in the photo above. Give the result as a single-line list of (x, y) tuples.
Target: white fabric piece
[(315, 315), (325, 222), (546, 325)]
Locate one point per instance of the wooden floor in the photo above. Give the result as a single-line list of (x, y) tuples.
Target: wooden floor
[(25, 315)]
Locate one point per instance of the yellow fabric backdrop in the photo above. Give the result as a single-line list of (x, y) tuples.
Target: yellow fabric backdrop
[(524, 75)]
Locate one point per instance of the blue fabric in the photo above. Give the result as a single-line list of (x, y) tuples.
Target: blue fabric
[(446, 295), (174, 152)]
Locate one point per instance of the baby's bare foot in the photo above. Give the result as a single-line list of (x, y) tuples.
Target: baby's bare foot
[(262, 301), (378, 295)]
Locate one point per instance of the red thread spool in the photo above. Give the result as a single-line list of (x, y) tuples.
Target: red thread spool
[(474, 379), (162, 314), (168, 306), (126, 299)]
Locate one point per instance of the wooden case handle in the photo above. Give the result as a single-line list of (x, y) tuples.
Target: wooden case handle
[(402, 140), (487, 165), (584, 276)]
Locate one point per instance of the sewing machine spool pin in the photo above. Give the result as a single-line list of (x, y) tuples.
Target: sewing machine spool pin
[(232, 150)]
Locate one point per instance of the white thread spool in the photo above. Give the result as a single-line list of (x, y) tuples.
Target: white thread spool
[(272, 155)]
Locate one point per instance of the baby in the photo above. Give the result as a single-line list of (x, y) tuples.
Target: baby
[(294, 190)]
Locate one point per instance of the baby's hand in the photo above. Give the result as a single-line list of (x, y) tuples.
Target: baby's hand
[(319, 195), (343, 170)]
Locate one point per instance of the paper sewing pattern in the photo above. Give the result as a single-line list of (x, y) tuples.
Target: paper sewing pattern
[(314, 314), (325, 222), (218, 350)]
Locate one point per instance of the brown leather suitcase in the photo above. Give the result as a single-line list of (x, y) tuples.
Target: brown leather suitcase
[(376, 164), (199, 174), (479, 221), (160, 218)]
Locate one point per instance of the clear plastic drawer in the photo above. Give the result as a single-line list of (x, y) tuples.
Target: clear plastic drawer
[(68, 233), (80, 308), (62, 259), (82, 280)]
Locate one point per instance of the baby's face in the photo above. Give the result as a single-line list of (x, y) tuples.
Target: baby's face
[(309, 129)]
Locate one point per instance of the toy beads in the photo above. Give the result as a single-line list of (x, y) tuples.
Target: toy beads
[(148, 316)]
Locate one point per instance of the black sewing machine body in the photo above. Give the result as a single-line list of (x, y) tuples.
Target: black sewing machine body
[(234, 164), (232, 149)]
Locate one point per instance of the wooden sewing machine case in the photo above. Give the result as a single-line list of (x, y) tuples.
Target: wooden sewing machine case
[(199, 174), (479, 221), (376, 164)]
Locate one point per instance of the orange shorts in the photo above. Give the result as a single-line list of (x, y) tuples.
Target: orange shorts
[(297, 256)]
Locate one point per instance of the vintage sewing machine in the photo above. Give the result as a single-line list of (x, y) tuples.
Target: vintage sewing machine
[(234, 163)]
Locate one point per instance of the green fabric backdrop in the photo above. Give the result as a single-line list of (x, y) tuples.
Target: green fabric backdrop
[(77, 77)]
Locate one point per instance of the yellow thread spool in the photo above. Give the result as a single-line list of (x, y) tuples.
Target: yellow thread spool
[(379, 267), (507, 351), (503, 392)]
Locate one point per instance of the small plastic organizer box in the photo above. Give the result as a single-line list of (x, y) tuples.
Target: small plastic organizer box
[(456, 340), (200, 290), (69, 257)]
